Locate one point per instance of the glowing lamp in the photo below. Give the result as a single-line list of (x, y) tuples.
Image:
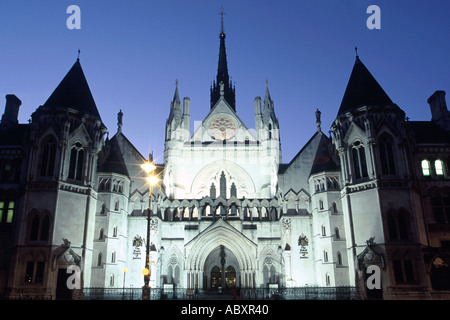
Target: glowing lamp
[(148, 167), (152, 180)]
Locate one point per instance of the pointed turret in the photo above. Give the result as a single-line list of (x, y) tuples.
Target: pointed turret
[(268, 103), (222, 75), (73, 92), (362, 89), (175, 114), (268, 110), (176, 96)]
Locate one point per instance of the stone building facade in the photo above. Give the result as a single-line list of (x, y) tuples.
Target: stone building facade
[(228, 212)]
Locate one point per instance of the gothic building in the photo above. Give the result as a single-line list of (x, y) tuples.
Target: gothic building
[(227, 212)]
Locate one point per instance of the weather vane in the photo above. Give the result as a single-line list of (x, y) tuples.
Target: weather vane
[(221, 19)]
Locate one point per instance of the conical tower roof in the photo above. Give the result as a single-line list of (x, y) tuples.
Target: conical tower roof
[(362, 89), (114, 162), (73, 92)]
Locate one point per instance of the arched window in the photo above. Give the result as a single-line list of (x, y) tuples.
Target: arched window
[(425, 164), (359, 160), (273, 274), (176, 275), (324, 233), (439, 167), (398, 225), (173, 271), (327, 279), (34, 272), (99, 259), (265, 274), (39, 228), (337, 236), (440, 205), (170, 274), (76, 162), (320, 204), (45, 229), (48, 158), (387, 155), (101, 234), (339, 255), (335, 210), (325, 256), (34, 233), (339, 258), (111, 280), (404, 269), (113, 257)]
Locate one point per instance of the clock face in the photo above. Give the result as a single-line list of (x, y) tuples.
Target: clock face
[(222, 128)]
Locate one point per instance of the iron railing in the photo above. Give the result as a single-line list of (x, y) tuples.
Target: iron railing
[(296, 293)]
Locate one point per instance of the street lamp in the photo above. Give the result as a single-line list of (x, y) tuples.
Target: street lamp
[(124, 275), (148, 167)]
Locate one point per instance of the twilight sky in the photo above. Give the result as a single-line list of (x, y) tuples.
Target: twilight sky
[(133, 51)]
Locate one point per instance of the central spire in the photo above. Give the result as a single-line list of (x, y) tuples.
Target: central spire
[(222, 73)]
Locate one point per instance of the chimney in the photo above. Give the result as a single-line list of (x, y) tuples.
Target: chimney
[(10, 116), (439, 112)]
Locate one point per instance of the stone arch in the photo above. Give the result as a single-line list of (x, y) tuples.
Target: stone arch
[(221, 234), (172, 266), (234, 173)]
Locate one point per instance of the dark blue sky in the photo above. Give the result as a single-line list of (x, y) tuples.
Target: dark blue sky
[(132, 52)]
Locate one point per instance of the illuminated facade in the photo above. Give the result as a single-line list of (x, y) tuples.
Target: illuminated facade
[(228, 212)]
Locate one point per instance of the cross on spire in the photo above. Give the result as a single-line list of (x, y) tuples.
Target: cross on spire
[(356, 51), (221, 20), (78, 58)]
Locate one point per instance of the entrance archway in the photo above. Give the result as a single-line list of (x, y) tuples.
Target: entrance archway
[(221, 269), (221, 245)]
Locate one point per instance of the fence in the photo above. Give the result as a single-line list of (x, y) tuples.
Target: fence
[(297, 293)]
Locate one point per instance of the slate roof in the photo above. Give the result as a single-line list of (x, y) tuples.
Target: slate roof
[(114, 161), (362, 89), (323, 161), (428, 132), (73, 92)]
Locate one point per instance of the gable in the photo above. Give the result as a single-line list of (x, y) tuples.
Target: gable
[(222, 123)]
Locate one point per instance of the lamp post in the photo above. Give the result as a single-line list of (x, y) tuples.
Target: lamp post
[(123, 289), (148, 167)]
